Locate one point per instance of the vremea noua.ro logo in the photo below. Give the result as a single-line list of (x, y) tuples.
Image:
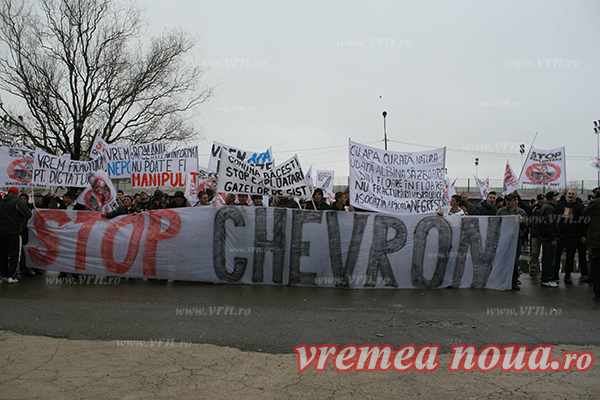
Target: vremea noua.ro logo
[(373, 357)]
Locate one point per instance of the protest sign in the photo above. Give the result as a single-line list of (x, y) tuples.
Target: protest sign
[(483, 185), (53, 170), (545, 168), (309, 180), (511, 182), (325, 182), (191, 188), (16, 166), (237, 176), (118, 158), (448, 190), (596, 163), (167, 169), (100, 194), (262, 161), (266, 245), (392, 181)]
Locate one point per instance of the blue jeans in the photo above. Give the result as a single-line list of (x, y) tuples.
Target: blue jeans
[(548, 260)]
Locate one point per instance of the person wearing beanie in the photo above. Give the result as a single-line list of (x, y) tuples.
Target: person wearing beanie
[(179, 200), (69, 202), (317, 203), (157, 201)]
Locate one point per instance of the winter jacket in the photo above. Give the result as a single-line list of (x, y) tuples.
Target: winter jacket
[(13, 214)]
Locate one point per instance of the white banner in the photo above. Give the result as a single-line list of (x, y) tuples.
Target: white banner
[(397, 182), (309, 180), (237, 176), (483, 185), (191, 188), (511, 181), (545, 168), (325, 182), (319, 248), (16, 166), (53, 170), (261, 161), (118, 159), (168, 169), (100, 195)]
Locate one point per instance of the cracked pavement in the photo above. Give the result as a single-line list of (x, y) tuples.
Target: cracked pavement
[(61, 341)]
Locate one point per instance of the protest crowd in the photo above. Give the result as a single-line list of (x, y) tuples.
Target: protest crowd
[(553, 224)]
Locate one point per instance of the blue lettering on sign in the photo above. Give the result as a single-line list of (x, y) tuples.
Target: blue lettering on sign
[(118, 168)]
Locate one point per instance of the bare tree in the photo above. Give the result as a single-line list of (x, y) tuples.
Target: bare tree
[(82, 69)]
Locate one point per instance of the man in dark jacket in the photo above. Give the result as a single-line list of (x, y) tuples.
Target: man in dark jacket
[(572, 232), (13, 212), (487, 207), (157, 202), (179, 200), (592, 211), (69, 202), (536, 240), (549, 234), (317, 202), (512, 209), (127, 208)]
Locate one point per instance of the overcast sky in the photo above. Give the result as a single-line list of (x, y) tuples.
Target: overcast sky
[(480, 77)]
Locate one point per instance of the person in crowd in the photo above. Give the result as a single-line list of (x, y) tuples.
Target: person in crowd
[(487, 207), (317, 202), (230, 199), (242, 199), (470, 207), (463, 206), (286, 202), (500, 202), (340, 203), (549, 235), (179, 200), (144, 203), (127, 208), (38, 201), (24, 269), (157, 201), (14, 214), (136, 198), (120, 196), (592, 211), (166, 199), (25, 198), (572, 231), (257, 200), (453, 208), (202, 198), (511, 208), (536, 239), (211, 194), (69, 202)]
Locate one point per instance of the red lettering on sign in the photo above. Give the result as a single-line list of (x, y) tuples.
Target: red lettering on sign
[(108, 258), (88, 219), (49, 238), (154, 235)]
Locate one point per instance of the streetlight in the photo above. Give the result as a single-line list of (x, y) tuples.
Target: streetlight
[(477, 167), (384, 129), (597, 131)]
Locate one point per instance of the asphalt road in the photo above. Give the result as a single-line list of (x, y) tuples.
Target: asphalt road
[(274, 319)]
